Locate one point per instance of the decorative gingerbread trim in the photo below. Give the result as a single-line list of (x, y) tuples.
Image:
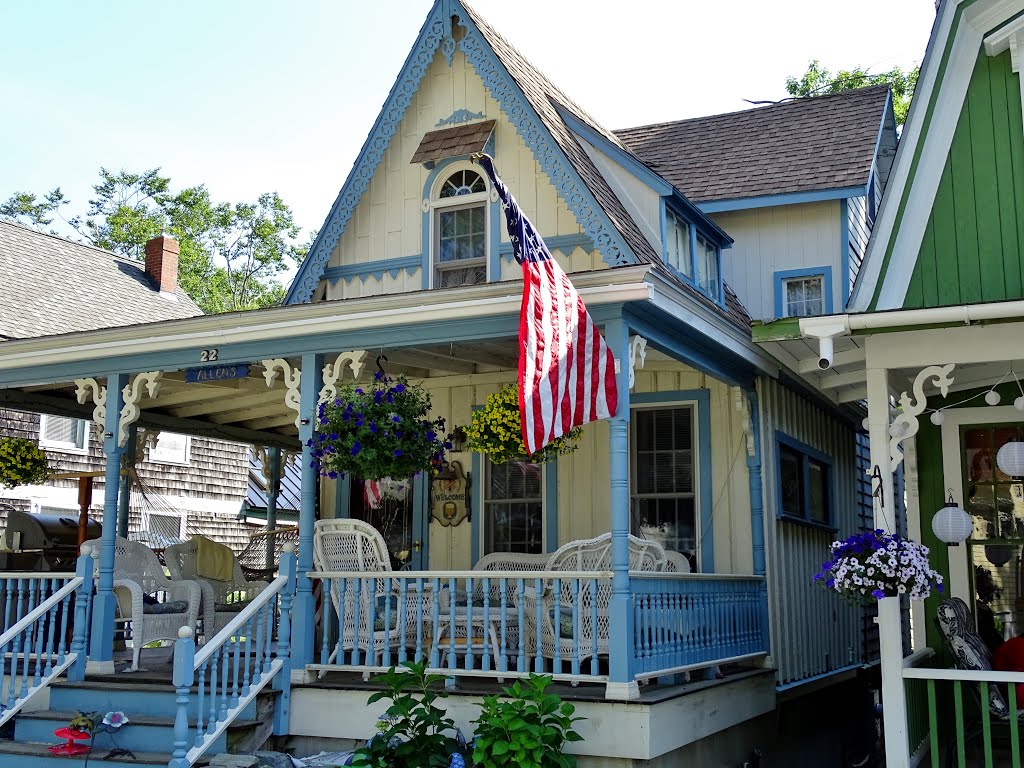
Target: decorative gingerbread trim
[(132, 393), (90, 389), (334, 371), (291, 379), (905, 425)]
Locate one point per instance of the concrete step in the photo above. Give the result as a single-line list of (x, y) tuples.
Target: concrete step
[(15, 754)]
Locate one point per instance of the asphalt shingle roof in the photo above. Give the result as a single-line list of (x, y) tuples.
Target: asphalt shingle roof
[(453, 142), (51, 285), (825, 142)]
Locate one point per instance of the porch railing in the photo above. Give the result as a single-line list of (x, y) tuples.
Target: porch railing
[(683, 622), (466, 624), (45, 623), (966, 718), (233, 667)]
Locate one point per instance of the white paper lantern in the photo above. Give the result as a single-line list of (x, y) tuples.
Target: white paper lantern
[(992, 397), (1019, 403), (937, 418), (1010, 459), (951, 524)]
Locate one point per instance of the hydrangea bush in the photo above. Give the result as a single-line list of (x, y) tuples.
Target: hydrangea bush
[(22, 462), (497, 430), (379, 431), (877, 564)]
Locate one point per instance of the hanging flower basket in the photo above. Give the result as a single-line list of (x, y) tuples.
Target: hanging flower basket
[(376, 432), (876, 564), (22, 462), (496, 430)]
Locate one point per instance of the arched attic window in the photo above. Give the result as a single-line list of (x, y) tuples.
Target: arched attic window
[(460, 236)]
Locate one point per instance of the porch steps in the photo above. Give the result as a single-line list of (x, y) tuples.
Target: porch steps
[(150, 709)]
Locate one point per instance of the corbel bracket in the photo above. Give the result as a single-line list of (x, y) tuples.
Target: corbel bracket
[(291, 378), (905, 425), (133, 392), (91, 390), (333, 372)]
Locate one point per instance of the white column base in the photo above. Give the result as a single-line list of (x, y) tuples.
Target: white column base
[(99, 667), (622, 691)]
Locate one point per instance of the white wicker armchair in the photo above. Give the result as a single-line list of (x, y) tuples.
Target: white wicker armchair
[(565, 632), (352, 545), (138, 572), (222, 600)]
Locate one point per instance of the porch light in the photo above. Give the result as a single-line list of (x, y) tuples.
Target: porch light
[(1010, 459), (1019, 403), (937, 418), (951, 524), (992, 397)]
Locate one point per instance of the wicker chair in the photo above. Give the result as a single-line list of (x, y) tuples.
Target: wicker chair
[(222, 600), (352, 545), (559, 632), (138, 580), (676, 562), (253, 558)]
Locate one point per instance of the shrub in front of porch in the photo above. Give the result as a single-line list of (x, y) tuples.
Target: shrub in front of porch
[(497, 430), (875, 564), (376, 432)]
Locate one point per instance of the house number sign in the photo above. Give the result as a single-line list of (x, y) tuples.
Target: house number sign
[(209, 355)]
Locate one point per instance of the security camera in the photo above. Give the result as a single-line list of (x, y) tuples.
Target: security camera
[(825, 353)]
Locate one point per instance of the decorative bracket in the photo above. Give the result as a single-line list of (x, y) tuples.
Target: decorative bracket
[(147, 438), (905, 424), (132, 393), (637, 351), (333, 372), (743, 408), (291, 381), (90, 389)]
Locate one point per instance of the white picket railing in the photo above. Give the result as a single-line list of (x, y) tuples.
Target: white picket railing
[(45, 622)]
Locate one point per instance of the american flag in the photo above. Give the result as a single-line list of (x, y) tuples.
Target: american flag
[(373, 493), (566, 371)]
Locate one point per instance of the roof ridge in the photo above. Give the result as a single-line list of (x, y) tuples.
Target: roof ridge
[(788, 103), (69, 241)]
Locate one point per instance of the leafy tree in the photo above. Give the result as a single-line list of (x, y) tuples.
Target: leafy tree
[(231, 253), (818, 81)]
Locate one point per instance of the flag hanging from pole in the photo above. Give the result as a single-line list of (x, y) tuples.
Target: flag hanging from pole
[(566, 371)]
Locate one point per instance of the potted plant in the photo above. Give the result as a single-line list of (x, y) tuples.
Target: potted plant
[(22, 462), (527, 729), (377, 432), (875, 565), (497, 430)]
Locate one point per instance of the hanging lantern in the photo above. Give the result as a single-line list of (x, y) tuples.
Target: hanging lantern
[(951, 524), (992, 397), (999, 554), (937, 418), (1010, 459)]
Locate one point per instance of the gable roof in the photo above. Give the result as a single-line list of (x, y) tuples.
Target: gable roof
[(820, 143), (51, 285)]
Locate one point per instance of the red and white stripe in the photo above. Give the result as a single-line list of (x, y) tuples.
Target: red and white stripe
[(372, 493), (566, 371)]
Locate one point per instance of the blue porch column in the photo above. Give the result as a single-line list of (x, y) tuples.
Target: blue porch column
[(273, 487), (304, 611), (125, 502), (756, 482), (101, 646), (621, 683)]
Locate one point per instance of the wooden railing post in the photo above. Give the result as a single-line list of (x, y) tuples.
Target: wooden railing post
[(283, 682), (80, 630), (182, 677)]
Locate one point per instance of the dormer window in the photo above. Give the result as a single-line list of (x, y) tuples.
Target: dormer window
[(707, 268), (460, 230), (677, 245)]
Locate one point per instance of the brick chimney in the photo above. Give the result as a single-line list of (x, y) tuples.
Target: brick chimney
[(162, 262)]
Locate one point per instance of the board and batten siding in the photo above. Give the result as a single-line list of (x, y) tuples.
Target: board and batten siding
[(777, 238), (388, 220), (972, 242), (813, 632)]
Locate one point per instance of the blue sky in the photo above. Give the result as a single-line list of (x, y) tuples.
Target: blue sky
[(253, 96)]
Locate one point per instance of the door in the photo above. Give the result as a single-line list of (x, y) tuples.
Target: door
[(399, 516)]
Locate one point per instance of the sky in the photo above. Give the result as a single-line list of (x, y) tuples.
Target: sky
[(249, 96)]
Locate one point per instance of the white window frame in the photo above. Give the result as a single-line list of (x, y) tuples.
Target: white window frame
[(704, 247), (481, 502), (154, 458), (181, 514), (678, 229), (803, 278), (438, 204), (694, 407), (58, 445)]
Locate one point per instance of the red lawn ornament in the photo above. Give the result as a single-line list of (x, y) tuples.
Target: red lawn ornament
[(70, 749)]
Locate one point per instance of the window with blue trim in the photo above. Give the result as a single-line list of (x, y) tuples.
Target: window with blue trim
[(677, 244), (663, 474), (460, 231), (708, 280), (803, 296), (513, 507), (805, 485)]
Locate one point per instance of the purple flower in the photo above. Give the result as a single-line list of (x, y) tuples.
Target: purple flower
[(378, 396), (398, 452), (374, 428), (830, 583), (379, 376), (333, 475), (334, 435), (431, 435), (356, 447), (114, 719), (359, 391), (396, 418), (399, 388), (390, 398), (878, 593)]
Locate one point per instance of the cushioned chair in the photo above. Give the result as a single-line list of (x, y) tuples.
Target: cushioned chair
[(156, 606), (222, 600)]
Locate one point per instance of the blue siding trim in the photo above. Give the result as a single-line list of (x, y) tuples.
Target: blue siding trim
[(375, 269), (693, 255), (419, 59), (789, 198), (564, 243), (782, 439), (551, 506), (844, 253), (701, 398), (304, 624), (628, 161), (826, 288), (663, 227)]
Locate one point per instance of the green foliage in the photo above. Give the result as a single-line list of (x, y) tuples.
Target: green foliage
[(379, 431), (818, 81), (231, 253), (22, 462), (414, 731), (526, 730)]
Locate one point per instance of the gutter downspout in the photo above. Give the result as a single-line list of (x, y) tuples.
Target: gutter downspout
[(757, 537), (843, 325)]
